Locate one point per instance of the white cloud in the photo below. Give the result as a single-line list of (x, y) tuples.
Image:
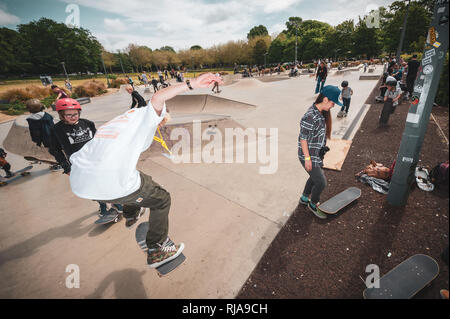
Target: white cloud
[(114, 25), (183, 23), (7, 18), (279, 5)]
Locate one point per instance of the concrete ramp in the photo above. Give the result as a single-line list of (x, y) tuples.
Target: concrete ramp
[(249, 83), (210, 126), (192, 103)]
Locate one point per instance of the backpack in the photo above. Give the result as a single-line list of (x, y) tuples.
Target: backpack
[(439, 174)]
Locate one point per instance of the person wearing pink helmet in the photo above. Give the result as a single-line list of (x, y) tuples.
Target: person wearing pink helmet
[(71, 134)]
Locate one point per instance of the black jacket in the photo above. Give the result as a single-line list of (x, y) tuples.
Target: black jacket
[(137, 99), (41, 131)]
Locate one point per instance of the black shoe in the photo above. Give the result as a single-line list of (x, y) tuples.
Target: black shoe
[(130, 222)]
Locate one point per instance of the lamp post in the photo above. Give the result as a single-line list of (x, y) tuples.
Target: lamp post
[(120, 60), (402, 36), (295, 25), (106, 74), (65, 72)]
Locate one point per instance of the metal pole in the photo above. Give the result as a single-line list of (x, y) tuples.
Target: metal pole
[(425, 88), (65, 72), (295, 62), (106, 74), (120, 60), (402, 36)]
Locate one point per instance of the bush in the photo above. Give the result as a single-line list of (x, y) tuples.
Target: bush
[(118, 82), (16, 108), (90, 89), (26, 93), (47, 101)]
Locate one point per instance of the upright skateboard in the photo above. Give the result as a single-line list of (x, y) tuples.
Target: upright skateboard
[(164, 269), (336, 203), (386, 112), (17, 174), (406, 279)]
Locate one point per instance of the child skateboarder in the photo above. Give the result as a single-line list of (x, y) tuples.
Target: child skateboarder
[(105, 169), (4, 163), (346, 95), (71, 134)]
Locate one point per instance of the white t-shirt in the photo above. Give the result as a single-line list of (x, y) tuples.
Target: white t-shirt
[(105, 168)]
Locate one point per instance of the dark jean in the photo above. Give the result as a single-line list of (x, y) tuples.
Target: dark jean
[(103, 207), (150, 195), (320, 84), (346, 102), (315, 184)]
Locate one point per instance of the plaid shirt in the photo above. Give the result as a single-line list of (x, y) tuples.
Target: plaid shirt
[(312, 129)]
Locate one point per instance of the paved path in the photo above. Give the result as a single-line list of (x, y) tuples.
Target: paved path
[(226, 214)]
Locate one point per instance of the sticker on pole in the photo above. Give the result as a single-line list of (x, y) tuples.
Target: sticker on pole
[(418, 89), (428, 69), (430, 53), (436, 44), (415, 100), (426, 61)]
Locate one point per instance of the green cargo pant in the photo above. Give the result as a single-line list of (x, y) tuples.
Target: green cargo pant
[(150, 195)]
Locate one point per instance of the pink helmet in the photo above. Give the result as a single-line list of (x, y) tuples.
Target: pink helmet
[(67, 104)]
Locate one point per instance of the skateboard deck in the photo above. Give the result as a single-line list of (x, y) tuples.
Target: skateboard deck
[(112, 216), (339, 201), (406, 279), (164, 269), (37, 160), (386, 112), (17, 175)]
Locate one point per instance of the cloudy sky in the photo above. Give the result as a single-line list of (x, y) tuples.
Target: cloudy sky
[(180, 23)]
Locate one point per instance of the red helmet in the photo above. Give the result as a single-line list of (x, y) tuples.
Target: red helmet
[(67, 104)]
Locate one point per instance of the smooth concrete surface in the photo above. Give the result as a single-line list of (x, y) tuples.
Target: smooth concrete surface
[(226, 214)]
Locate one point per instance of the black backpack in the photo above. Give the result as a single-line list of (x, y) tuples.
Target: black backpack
[(439, 174)]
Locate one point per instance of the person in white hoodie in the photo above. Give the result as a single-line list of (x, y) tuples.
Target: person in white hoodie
[(105, 169)]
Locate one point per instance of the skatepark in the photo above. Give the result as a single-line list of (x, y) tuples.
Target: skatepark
[(227, 214)]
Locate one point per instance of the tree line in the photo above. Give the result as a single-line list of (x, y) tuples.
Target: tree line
[(40, 46)]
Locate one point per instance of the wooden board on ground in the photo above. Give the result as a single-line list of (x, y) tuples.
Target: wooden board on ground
[(335, 157)]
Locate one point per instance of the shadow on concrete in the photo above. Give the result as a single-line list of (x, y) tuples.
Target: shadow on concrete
[(31, 245), (383, 234), (127, 285), (100, 229)]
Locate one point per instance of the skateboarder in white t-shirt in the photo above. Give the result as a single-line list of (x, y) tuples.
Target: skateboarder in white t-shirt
[(105, 169)]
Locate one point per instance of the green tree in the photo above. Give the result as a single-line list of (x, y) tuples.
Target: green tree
[(257, 31), (366, 42), (196, 47), (13, 59), (167, 48), (259, 50), (48, 43)]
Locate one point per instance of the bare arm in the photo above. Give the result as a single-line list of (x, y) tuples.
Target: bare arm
[(305, 150), (161, 96)]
